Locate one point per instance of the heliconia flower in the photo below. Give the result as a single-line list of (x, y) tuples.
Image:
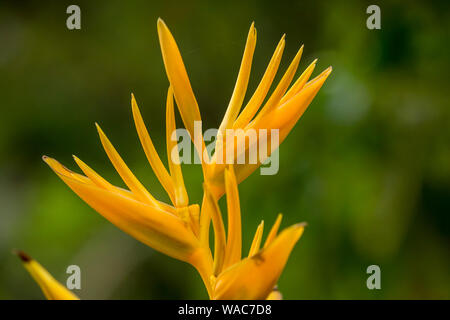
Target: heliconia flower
[(281, 111), (228, 275), (180, 229), (52, 289)]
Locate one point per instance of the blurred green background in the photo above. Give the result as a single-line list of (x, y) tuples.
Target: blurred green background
[(367, 166)]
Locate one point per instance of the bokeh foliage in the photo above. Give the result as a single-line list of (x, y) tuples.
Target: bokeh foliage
[(367, 166)]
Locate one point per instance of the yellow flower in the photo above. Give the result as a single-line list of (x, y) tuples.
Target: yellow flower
[(180, 229), (282, 110), (229, 276)]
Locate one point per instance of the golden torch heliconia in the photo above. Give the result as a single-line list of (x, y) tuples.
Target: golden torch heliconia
[(181, 229)]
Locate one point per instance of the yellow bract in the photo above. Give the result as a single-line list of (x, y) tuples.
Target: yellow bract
[(158, 228), (52, 289), (180, 229), (255, 276)]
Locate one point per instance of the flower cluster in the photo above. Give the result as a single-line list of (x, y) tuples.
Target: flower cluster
[(181, 229)]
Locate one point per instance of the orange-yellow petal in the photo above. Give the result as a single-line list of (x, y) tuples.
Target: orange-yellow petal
[(161, 230), (241, 84), (281, 87), (52, 289), (205, 221), (179, 80), (255, 277), (92, 175), (234, 240), (125, 173), (261, 91), (219, 229), (149, 149), (286, 116), (273, 232), (99, 181), (181, 196), (256, 243), (300, 83)]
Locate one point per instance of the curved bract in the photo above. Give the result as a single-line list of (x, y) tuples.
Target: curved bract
[(52, 289)]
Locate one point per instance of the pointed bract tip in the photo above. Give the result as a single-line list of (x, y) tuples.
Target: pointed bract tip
[(301, 225), (161, 24), (326, 72), (299, 53), (252, 31), (47, 159), (315, 61), (22, 255)]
